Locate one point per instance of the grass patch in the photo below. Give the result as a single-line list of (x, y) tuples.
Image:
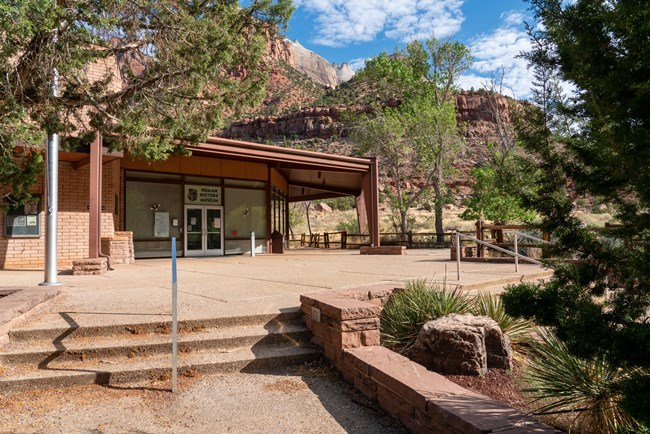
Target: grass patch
[(408, 310)]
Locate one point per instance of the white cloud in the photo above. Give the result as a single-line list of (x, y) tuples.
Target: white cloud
[(343, 22), (499, 49), (358, 63)]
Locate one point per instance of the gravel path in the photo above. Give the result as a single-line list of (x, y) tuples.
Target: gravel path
[(306, 399)]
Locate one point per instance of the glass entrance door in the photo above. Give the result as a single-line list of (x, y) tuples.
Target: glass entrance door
[(203, 230), (213, 242)]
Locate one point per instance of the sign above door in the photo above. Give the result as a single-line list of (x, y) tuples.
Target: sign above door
[(202, 195)]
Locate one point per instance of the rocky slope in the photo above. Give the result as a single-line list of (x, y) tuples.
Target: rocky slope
[(326, 122), (306, 108), (325, 128)]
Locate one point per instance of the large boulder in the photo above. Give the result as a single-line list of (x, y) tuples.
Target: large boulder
[(462, 345)]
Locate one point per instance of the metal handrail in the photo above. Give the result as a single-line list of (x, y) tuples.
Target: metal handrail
[(530, 237), (516, 254)]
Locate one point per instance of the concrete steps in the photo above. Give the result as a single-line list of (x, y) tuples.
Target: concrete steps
[(47, 358)]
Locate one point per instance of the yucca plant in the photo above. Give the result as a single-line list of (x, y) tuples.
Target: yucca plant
[(407, 311), (588, 390), (517, 329)]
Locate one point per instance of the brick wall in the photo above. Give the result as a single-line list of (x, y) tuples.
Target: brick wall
[(73, 219), (345, 325)]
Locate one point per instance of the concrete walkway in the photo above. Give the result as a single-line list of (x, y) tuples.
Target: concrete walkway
[(240, 285), (292, 399)]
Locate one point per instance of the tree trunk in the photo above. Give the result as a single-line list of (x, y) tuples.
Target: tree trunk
[(437, 187), (308, 220), (404, 223)]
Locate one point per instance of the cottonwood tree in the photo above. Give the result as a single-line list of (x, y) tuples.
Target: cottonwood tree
[(601, 47), (169, 71), (508, 172), (417, 141)]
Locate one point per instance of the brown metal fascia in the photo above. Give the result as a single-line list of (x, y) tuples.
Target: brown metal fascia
[(276, 154), (272, 148)]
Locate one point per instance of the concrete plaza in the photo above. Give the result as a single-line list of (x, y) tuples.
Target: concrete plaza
[(234, 286)]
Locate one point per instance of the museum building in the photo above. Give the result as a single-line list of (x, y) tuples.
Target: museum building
[(211, 201)]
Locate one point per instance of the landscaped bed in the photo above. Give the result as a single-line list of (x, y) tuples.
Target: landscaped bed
[(577, 394), (345, 325)]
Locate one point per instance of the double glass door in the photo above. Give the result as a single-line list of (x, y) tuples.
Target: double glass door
[(203, 230)]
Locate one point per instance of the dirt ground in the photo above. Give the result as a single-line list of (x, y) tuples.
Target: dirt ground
[(310, 398)]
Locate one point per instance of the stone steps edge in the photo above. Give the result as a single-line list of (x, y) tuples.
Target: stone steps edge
[(184, 345), (22, 335)]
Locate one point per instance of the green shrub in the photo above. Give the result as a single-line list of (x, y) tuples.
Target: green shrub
[(343, 203), (350, 225), (588, 390), (517, 329), (408, 310)]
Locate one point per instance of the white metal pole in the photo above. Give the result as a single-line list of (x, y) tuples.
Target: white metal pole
[(174, 318), (52, 200), (252, 244), (457, 256), (516, 254)]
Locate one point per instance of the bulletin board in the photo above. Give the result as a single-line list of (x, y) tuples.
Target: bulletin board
[(24, 221)]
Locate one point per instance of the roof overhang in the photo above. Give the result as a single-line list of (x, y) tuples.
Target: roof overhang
[(310, 175)]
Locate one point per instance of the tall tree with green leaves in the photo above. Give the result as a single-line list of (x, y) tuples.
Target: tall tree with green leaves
[(151, 76), (508, 172), (601, 47), (417, 141)]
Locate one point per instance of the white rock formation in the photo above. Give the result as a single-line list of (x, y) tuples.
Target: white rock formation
[(314, 66), (343, 72)]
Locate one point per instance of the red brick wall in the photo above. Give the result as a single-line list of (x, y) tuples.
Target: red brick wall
[(72, 221)]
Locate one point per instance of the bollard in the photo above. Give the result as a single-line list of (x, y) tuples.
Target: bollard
[(457, 256), (252, 244), (174, 317), (516, 254)]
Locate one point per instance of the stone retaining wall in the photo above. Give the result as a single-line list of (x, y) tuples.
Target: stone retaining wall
[(345, 324), (119, 247)]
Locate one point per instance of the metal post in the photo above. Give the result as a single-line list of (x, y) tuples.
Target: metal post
[(516, 254), (252, 244), (458, 256), (174, 317), (52, 201)]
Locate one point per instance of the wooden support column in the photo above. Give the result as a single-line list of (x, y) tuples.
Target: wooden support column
[(362, 215), (95, 198), (374, 175), (370, 196)]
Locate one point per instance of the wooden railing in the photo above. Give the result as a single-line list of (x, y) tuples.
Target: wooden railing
[(345, 240)]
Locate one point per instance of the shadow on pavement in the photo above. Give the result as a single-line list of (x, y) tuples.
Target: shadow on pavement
[(347, 406)]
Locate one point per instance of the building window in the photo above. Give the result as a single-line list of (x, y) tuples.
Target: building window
[(245, 212), (279, 212), (150, 209)]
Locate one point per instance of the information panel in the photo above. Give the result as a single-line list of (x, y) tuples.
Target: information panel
[(24, 221), (161, 225)]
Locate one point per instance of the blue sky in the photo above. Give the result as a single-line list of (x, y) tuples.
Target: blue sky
[(351, 31)]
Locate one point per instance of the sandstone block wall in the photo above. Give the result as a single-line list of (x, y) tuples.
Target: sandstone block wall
[(119, 247), (345, 325)]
